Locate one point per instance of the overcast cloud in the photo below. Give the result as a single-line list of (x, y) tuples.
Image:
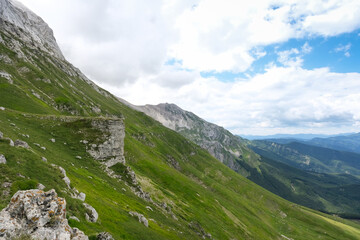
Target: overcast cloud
[(154, 51)]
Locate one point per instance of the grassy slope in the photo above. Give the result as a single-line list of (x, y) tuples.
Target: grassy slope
[(203, 191)]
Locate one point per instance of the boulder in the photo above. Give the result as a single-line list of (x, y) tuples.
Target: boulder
[(38, 214), (2, 159), (91, 215), (1, 135), (140, 217), (81, 196), (19, 143), (104, 236), (11, 142)]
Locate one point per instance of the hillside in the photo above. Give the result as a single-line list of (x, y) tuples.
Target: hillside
[(318, 191), (143, 180)]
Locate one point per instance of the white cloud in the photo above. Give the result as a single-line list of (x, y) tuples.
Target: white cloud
[(283, 99), (344, 48), (130, 39), (125, 45), (293, 57)]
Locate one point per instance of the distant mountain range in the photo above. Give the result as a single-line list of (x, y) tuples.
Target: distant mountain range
[(345, 142), (300, 136)]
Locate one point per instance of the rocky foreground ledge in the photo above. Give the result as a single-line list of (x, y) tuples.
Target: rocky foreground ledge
[(39, 215)]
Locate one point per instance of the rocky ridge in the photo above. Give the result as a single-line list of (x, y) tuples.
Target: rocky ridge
[(219, 142)]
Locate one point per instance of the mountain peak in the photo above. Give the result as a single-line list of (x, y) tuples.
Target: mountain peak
[(15, 14)]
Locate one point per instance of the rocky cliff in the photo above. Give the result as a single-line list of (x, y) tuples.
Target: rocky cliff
[(15, 17)]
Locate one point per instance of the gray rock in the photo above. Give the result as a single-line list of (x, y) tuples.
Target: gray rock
[(40, 186), (74, 218), (91, 215), (43, 148), (11, 142), (81, 196), (19, 143), (65, 178), (44, 159), (7, 76), (39, 214), (2, 108), (1, 135), (104, 236), (6, 184), (2, 159), (140, 217), (20, 175), (52, 140), (78, 157)]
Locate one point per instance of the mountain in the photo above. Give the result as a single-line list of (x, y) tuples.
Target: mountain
[(301, 136), (349, 143), (120, 171), (313, 190), (220, 143), (310, 158)]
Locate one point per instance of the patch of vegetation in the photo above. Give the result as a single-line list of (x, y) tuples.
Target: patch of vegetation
[(23, 185)]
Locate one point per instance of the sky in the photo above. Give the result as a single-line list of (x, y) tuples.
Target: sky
[(254, 67)]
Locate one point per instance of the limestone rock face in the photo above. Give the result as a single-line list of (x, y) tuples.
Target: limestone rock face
[(35, 30), (38, 214), (111, 151)]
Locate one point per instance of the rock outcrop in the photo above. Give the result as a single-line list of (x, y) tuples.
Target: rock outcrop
[(111, 151), (38, 214)]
